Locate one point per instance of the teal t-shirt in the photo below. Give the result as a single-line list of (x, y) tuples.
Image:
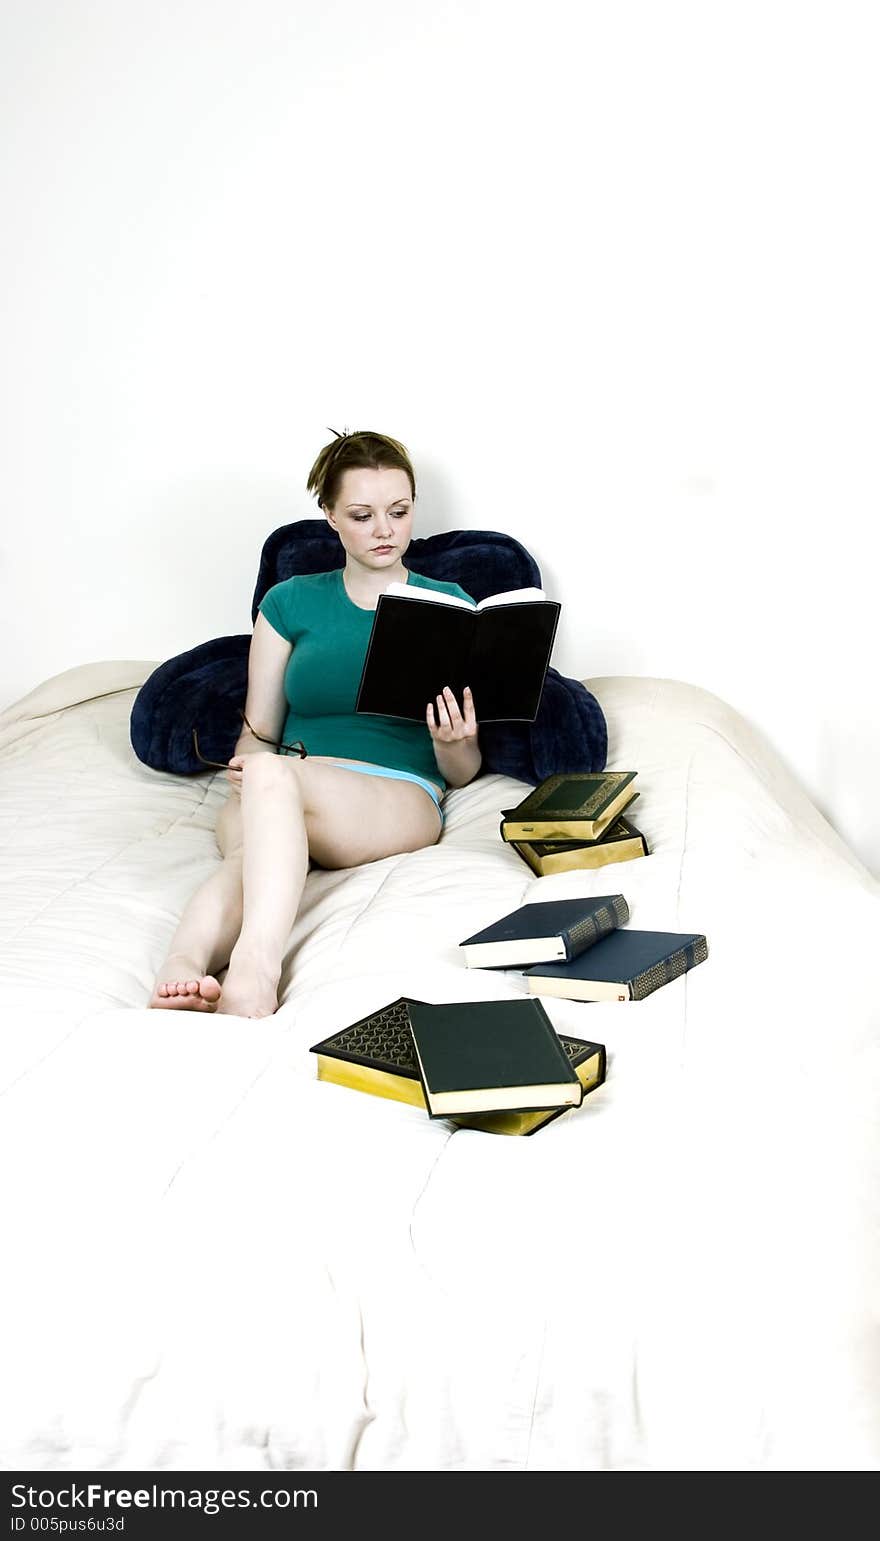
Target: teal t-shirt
[(329, 633)]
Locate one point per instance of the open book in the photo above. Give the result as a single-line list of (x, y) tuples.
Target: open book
[(422, 640)]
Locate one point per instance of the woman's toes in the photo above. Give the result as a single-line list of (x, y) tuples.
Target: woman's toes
[(191, 994)]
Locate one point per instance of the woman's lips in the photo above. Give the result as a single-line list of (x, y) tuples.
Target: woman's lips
[(379, 549)]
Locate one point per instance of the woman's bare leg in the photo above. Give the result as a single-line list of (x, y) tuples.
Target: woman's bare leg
[(275, 863), (291, 808), (207, 932)]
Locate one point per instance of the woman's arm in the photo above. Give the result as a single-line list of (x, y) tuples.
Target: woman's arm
[(455, 738), (266, 703)]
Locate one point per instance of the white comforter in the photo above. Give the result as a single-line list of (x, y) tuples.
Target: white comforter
[(213, 1261)]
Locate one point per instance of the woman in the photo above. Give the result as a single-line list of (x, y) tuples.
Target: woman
[(370, 786)]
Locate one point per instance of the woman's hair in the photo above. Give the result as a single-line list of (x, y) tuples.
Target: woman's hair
[(355, 452)]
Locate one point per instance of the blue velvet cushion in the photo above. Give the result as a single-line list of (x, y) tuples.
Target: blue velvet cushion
[(205, 688)]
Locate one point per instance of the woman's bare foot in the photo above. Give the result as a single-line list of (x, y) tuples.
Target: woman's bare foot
[(250, 988), (182, 986)]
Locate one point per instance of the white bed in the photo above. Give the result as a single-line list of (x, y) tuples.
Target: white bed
[(215, 1262)]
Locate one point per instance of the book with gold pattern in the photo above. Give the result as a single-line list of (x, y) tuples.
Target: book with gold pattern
[(574, 806), (376, 1055)]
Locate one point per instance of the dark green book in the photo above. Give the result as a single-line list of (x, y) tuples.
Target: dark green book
[(588, 1061), (376, 1055), (490, 1057), (575, 806), (542, 933), (625, 966)]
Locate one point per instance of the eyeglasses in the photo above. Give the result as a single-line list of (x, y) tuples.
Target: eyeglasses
[(297, 747)]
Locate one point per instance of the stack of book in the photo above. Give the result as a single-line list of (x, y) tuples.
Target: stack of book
[(582, 950), (498, 1066), (575, 820)]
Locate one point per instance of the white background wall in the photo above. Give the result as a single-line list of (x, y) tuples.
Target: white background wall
[(609, 271)]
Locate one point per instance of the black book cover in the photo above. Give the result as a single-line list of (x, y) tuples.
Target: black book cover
[(588, 1059), (382, 1040), (419, 646), (485, 1056)]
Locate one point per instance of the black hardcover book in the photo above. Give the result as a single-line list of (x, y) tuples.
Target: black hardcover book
[(490, 1057), (422, 640), (588, 1061), (377, 1055), (625, 966), (544, 933)]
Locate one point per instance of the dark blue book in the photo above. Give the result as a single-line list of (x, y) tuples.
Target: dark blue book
[(544, 933), (625, 966), (490, 1057)]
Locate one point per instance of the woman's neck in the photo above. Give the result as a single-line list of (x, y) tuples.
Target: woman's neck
[(365, 585)]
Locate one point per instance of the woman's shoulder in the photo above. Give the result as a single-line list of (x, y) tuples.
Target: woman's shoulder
[(308, 580), (302, 586), (298, 603)]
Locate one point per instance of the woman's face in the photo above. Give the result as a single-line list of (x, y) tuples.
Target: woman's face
[(373, 516)]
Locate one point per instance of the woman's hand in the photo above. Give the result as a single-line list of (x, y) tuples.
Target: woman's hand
[(235, 765), (455, 737), (234, 772), (450, 726)]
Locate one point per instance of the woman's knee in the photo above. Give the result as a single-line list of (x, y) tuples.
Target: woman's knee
[(265, 771)]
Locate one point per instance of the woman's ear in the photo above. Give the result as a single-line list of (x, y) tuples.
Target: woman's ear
[(329, 516)]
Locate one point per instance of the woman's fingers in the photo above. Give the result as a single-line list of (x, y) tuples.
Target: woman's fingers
[(451, 705), (234, 771), (444, 717)]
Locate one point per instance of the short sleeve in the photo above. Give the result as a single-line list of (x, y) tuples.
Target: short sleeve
[(276, 605)]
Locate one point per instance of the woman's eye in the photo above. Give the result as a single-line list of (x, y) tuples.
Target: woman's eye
[(396, 513)]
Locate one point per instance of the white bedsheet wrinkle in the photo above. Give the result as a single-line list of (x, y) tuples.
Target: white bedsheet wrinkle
[(540, 1365), (359, 1430), (220, 1263), (424, 1188), (227, 1116), (29, 1069), (684, 844)]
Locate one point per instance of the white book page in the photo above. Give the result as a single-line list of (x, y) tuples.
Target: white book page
[(409, 591), (512, 597), (509, 597)]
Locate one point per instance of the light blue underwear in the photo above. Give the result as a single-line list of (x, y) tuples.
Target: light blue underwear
[(395, 775)]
